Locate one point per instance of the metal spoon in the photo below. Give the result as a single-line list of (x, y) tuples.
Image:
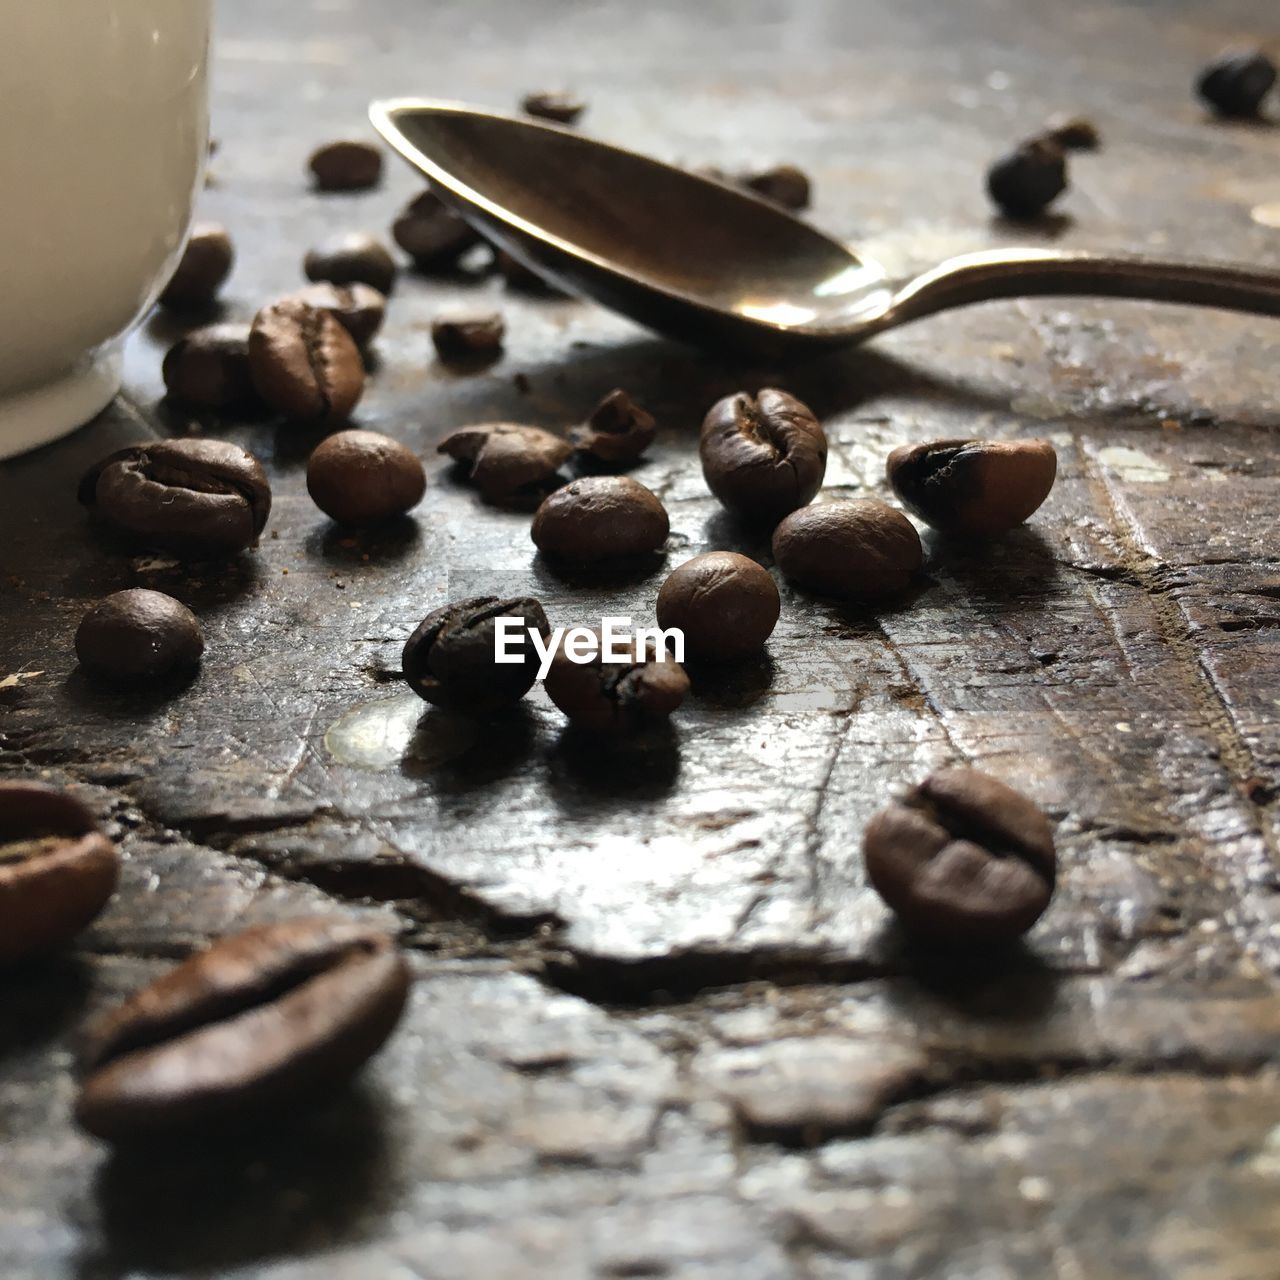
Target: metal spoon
[(700, 260)]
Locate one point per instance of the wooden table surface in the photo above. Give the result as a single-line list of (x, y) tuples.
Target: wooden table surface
[(661, 1027)]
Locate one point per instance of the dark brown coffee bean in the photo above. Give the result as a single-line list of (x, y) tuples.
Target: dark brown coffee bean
[(203, 269), (1237, 82), (358, 308), (616, 697), (1030, 178), (352, 259), (784, 184), (1074, 133), (600, 518), (196, 497), (726, 605), (138, 635), (259, 1025), (57, 870), (511, 465), (853, 549), (347, 165), (962, 858), (362, 477), (305, 365), (432, 234), (554, 104), (617, 432), (763, 456), (450, 660), (209, 368), (468, 339), (973, 487)]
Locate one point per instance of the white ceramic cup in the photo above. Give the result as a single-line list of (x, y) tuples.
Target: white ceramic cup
[(103, 138)]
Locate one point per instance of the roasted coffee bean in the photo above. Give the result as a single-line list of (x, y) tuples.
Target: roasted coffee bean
[(1074, 133), (209, 368), (726, 605), (57, 870), (196, 497), (450, 660), (784, 184), (138, 635), (305, 365), (973, 487), (763, 456), (1236, 82), (362, 477), (346, 165), (358, 308), (862, 548), (1026, 181), (600, 518), (352, 259), (205, 264), (962, 858), (465, 339), (554, 104), (259, 1025), (616, 697), (511, 465), (518, 276), (432, 234), (617, 432)]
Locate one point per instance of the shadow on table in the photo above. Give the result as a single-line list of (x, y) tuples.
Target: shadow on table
[(584, 767), (44, 999)]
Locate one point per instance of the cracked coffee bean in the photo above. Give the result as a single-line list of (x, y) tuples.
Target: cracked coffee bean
[(209, 368), (857, 549), (467, 339), (617, 432), (363, 477), (600, 518), (450, 658), (261, 1024), (354, 258), (763, 456), (976, 488), (432, 234), (346, 165), (784, 184), (203, 269), (962, 858), (196, 497), (557, 105), (1030, 178), (511, 465), (358, 308), (57, 870), (305, 365), (726, 605), (616, 698), (138, 635), (1074, 133), (1236, 82)]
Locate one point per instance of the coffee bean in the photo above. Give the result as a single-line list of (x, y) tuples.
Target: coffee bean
[(763, 456), (362, 477), (1236, 82), (352, 259), (600, 518), (209, 368), (57, 870), (466, 339), (1074, 133), (432, 234), (358, 308), (725, 604), (205, 264), (962, 858), (853, 549), (450, 660), (617, 432), (259, 1025), (511, 465), (554, 104), (346, 165), (138, 635), (196, 497), (784, 184), (1026, 181), (305, 365), (616, 698), (518, 276), (973, 487)]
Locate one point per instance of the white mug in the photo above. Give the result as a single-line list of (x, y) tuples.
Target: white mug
[(103, 138)]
